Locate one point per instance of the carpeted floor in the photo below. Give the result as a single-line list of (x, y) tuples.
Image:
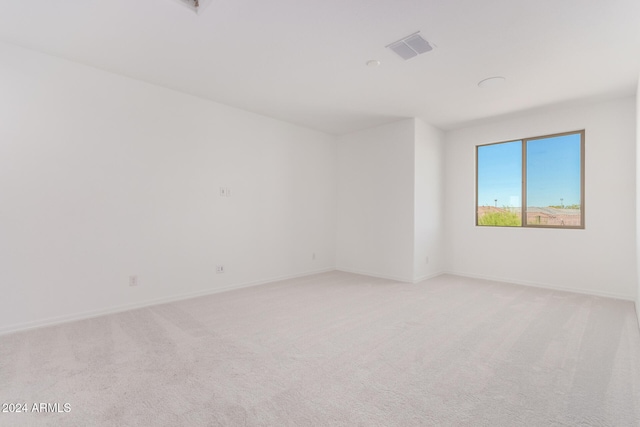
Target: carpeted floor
[(336, 349)]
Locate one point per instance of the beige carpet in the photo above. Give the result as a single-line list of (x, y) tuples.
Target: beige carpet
[(337, 349)]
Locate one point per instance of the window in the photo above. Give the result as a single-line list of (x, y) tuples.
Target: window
[(533, 182)]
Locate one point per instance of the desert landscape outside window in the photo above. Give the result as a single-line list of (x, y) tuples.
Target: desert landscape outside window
[(532, 182)]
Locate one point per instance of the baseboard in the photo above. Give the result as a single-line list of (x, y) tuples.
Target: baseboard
[(543, 286), (389, 277), (427, 277), (378, 275), (126, 307), (20, 327)]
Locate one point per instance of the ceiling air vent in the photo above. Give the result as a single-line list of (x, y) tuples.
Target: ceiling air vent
[(410, 46), (196, 5)]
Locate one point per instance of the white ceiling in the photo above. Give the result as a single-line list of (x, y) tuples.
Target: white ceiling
[(303, 61)]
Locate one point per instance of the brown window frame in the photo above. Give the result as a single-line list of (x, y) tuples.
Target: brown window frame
[(523, 207)]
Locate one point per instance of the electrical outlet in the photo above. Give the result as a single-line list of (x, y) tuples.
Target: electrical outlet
[(133, 280), (219, 268), (223, 191), (313, 256), (228, 191)]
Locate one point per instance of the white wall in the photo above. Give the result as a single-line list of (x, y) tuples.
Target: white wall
[(376, 201), (102, 177), (390, 201), (600, 259), (638, 201), (428, 253)]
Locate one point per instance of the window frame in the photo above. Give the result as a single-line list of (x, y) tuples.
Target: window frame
[(523, 198)]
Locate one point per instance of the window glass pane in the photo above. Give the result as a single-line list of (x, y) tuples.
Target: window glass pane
[(553, 181), (500, 184)]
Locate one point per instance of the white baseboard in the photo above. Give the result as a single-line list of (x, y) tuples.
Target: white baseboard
[(378, 275), (427, 277), (126, 307), (117, 309), (385, 276), (544, 286)]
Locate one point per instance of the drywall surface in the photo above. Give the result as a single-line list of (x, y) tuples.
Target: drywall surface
[(638, 201), (376, 201), (599, 259), (429, 201), (103, 177)]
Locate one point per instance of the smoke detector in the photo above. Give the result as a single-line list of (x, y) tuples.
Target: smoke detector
[(195, 5), (410, 46)]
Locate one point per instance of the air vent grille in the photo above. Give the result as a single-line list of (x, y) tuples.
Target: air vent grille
[(410, 46)]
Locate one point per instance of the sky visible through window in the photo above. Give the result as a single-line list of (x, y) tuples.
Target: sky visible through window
[(553, 172), (500, 174)]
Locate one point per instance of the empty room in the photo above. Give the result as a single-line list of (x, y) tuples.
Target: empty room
[(322, 213)]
